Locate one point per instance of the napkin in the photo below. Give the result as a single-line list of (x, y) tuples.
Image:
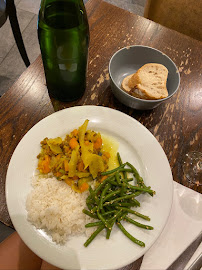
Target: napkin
[(182, 228)]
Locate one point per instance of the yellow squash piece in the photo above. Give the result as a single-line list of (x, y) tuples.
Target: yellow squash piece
[(73, 162), (54, 145), (93, 161)]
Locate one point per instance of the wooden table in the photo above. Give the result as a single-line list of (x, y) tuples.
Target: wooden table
[(176, 124)]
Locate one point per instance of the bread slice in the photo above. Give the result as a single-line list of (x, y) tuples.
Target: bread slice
[(125, 83), (132, 91), (149, 82)]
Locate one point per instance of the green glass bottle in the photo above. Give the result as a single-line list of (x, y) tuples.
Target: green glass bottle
[(63, 34)]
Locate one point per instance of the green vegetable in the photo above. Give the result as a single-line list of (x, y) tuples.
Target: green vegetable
[(136, 241), (138, 224), (104, 221), (93, 235), (89, 213), (117, 177), (112, 200), (134, 212), (103, 183), (121, 198), (93, 224), (120, 163), (114, 170), (112, 194), (103, 195), (144, 189)]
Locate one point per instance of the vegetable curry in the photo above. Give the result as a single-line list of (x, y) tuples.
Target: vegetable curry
[(78, 159)]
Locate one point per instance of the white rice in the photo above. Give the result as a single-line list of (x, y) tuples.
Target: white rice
[(53, 206)]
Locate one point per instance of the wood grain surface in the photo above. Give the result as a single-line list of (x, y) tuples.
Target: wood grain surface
[(176, 124)]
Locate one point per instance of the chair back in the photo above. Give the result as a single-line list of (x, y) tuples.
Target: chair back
[(184, 16)]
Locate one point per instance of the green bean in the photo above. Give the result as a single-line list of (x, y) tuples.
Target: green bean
[(122, 217), (109, 208), (89, 199), (138, 224), (127, 179), (136, 174), (132, 238), (93, 235), (152, 192), (106, 223), (134, 212), (119, 159), (114, 183), (135, 202), (113, 199), (102, 211), (103, 195), (138, 193), (123, 189), (112, 220), (89, 205), (114, 170), (89, 213), (117, 177), (93, 224), (120, 199), (94, 209), (93, 195), (120, 162), (128, 204), (125, 170), (109, 213), (109, 231), (107, 197), (116, 216), (103, 183)]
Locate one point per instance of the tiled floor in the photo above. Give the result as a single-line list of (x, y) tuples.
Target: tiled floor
[(11, 63)]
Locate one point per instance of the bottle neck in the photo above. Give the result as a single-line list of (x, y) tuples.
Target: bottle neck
[(79, 4), (62, 13), (44, 3)]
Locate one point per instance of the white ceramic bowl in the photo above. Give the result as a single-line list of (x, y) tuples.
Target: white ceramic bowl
[(127, 61)]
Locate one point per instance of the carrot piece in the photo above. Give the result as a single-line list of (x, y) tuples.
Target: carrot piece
[(73, 143), (98, 143), (104, 158), (58, 174), (75, 132), (58, 157), (68, 182), (106, 154), (84, 187), (66, 165), (44, 165), (75, 177), (103, 178), (80, 166)]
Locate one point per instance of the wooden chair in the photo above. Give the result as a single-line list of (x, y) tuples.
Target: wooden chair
[(8, 10), (184, 16)]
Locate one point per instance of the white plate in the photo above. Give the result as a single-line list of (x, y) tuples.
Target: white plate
[(137, 145)]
